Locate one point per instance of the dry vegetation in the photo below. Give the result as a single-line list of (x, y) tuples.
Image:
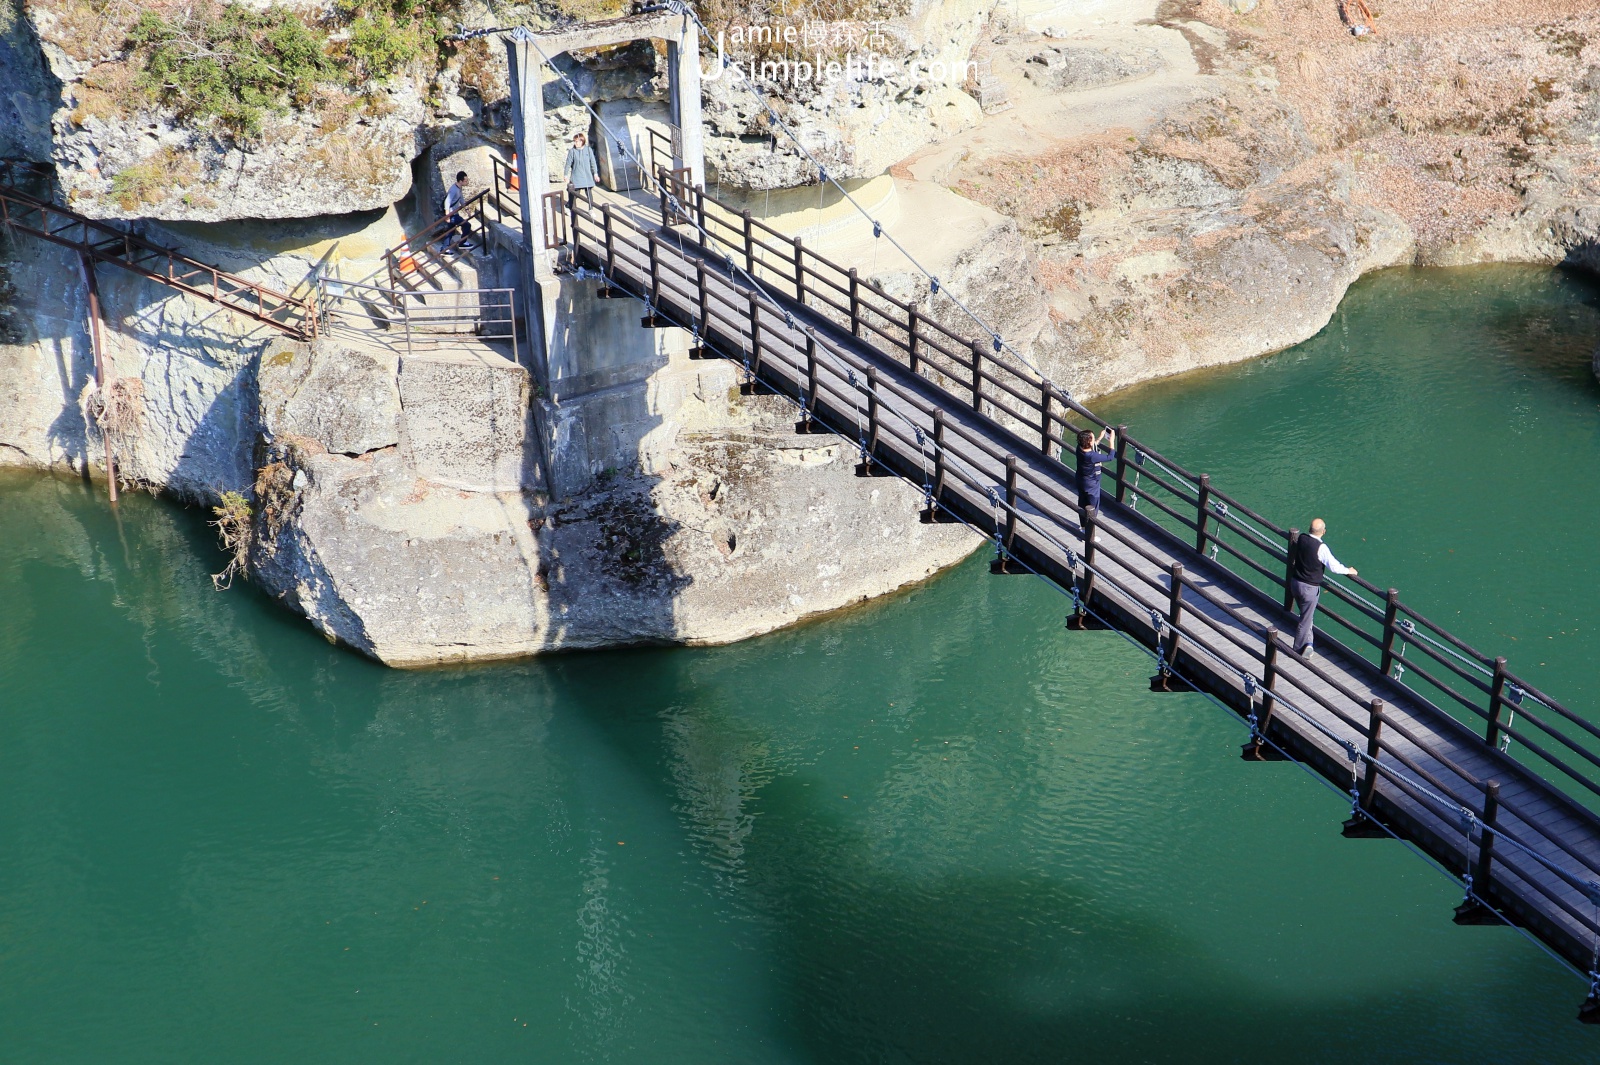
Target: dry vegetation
[(225, 64), (155, 179)]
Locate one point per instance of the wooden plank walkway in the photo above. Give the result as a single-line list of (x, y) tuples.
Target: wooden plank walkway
[(979, 458)]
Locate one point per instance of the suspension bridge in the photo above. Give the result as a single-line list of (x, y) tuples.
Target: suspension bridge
[(1433, 743)]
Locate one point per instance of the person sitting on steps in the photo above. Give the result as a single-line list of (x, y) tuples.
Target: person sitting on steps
[(1308, 558)]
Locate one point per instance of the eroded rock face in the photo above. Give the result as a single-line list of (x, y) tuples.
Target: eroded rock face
[(349, 401), (747, 528), (1233, 202), (184, 370), (146, 166), (1065, 68), (860, 122)]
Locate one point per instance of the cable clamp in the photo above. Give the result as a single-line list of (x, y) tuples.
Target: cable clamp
[(934, 283), (1221, 508), (1514, 694), (1138, 457), (1350, 752), (998, 343), (877, 229), (1407, 626), (1249, 686)]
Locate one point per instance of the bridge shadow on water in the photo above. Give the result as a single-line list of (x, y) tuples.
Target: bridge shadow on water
[(874, 961)]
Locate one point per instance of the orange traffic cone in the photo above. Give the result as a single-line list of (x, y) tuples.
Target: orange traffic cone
[(516, 180), (408, 264)]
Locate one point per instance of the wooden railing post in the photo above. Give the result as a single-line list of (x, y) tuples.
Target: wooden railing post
[(1391, 611), (1044, 417), (799, 272), (855, 303), (1122, 463), (1497, 702), (703, 300), (1362, 824), (1288, 569), (1162, 681), (1011, 503), (1204, 511), (1491, 811), (574, 219), (655, 273), (1473, 910), (611, 244), (749, 245), (1005, 531), (977, 376), (811, 380), (872, 417), (912, 339), (1257, 750), (755, 340), (936, 489), (700, 209)]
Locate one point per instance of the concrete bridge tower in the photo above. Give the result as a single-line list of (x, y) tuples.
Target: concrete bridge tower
[(604, 400)]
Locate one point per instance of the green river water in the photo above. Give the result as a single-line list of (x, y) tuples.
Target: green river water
[(936, 829)]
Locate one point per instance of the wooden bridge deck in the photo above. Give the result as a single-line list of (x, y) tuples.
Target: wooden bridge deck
[(983, 463)]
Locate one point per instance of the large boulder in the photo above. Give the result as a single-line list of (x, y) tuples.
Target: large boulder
[(337, 393)]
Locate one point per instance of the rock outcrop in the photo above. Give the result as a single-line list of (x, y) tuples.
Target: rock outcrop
[(1216, 204), (745, 528)]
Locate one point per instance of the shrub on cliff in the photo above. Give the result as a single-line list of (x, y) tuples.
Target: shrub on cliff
[(378, 48), (234, 64)]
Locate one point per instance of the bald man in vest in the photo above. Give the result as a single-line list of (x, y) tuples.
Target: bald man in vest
[(1309, 559)]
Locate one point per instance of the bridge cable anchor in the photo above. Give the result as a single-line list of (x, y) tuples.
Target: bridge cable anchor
[(1161, 681)]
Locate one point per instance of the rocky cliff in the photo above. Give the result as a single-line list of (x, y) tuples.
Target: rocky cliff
[(1202, 181)]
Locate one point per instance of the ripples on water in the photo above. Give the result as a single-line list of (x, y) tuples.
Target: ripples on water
[(939, 829)]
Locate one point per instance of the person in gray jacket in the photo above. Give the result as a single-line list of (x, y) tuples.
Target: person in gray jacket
[(581, 169)]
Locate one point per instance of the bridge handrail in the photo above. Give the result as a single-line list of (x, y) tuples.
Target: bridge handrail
[(505, 189), (491, 312), (1377, 628), (133, 253), (754, 344), (1461, 801), (419, 247)]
